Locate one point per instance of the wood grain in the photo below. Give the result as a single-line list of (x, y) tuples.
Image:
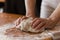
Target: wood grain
[(8, 17), (2, 0)]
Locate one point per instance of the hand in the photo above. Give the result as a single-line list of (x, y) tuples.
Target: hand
[(17, 22), (39, 23)]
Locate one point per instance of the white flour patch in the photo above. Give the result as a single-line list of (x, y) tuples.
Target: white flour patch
[(3, 28), (26, 37), (6, 26)]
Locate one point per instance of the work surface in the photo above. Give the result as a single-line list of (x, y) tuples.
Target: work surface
[(2, 0), (6, 22)]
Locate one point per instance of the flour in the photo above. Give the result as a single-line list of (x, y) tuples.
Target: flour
[(42, 36), (3, 28)]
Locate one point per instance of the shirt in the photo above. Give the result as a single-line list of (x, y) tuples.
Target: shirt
[(47, 7)]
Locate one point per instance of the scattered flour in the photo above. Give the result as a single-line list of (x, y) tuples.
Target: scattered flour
[(3, 28), (10, 25)]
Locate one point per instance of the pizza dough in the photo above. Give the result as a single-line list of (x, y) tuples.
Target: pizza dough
[(25, 25)]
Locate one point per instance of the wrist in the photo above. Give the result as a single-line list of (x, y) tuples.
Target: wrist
[(53, 20), (30, 14)]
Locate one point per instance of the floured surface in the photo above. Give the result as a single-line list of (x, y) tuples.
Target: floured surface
[(18, 35), (15, 34), (23, 36)]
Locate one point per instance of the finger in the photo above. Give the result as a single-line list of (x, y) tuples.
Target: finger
[(33, 21), (18, 21), (40, 26), (18, 26), (36, 23)]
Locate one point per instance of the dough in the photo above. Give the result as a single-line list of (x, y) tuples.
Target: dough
[(25, 25)]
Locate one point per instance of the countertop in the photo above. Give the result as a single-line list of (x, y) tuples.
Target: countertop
[(6, 22)]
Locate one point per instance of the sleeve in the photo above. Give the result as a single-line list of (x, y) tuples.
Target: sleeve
[(46, 9)]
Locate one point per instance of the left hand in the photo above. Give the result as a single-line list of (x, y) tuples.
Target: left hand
[(17, 22), (39, 23)]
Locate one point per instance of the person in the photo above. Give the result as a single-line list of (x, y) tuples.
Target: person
[(47, 21)]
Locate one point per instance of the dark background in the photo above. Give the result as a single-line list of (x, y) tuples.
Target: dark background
[(18, 6)]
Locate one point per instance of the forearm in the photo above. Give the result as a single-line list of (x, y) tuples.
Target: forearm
[(30, 7), (56, 14)]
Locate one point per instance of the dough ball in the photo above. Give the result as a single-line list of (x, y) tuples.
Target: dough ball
[(25, 25)]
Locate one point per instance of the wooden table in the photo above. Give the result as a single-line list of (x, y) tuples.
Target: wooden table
[(2, 0), (6, 18)]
